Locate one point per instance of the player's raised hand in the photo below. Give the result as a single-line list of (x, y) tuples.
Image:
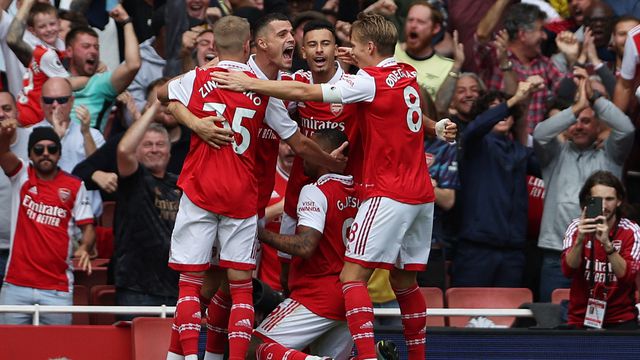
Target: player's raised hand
[(232, 80), (446, 130), (340, 158), (345, 54)]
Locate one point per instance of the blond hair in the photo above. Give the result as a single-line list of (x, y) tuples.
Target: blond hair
[(230, 33), (377, 29)]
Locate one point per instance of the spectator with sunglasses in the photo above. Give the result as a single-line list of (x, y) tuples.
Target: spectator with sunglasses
[(78, 140), (46, 201)]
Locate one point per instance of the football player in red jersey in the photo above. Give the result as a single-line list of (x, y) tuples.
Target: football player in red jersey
[(393, 227)]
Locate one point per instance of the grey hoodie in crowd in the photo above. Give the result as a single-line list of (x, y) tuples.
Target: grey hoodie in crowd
[(150, 70), (565, 168)]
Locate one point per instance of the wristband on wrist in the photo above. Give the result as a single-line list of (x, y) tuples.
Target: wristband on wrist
[(125, 21)]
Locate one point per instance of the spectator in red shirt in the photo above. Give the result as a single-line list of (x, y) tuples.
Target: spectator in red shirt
[(602, 256)]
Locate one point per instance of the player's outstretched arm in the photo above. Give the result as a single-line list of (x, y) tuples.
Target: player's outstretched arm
[(310, 150), (286, 90), (8, 160), (302, 244)]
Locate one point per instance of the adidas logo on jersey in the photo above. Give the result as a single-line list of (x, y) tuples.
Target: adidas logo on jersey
[(424, 330), (367, 325), (197, 315), (245, 323), (33, 190)]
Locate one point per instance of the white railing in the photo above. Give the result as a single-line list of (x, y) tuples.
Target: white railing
[(163, 311)]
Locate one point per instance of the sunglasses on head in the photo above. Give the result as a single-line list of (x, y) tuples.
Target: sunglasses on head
[(61, 100), (52, 149)]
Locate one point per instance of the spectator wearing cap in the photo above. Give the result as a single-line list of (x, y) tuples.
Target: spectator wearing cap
[(152, 57), (46, 200)]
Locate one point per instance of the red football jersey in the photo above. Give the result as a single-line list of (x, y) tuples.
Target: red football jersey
[(621, 291), (42, 211), (45, 63), (329, 206), (390, 121), (269, 269), (316, 116), (223, 181), (267, 156)]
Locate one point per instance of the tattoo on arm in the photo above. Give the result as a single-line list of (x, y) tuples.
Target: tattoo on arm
[(302, 244), (14, 39)]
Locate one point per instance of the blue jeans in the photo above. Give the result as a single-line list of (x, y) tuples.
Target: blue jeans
[(19, 295), (551, 276), (126, 297)]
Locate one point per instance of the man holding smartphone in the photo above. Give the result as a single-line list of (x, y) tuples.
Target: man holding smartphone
[(602, 255)]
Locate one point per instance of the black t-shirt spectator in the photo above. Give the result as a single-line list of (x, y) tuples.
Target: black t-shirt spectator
[(145, 214)]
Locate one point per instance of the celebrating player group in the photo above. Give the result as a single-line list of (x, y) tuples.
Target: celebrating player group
[(359, 195)]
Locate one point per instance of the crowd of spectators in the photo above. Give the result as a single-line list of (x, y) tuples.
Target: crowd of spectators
[(543, 94)]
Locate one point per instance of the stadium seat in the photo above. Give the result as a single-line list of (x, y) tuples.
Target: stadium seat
[(80, 297), (98, 276), (433, 298), (486, 298), (103, 295), (559, 294), (150, 338)]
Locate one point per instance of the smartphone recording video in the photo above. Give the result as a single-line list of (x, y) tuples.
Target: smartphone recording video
[(594, 207)]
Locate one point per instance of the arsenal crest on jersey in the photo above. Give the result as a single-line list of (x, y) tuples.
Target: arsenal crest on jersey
[(429, 158), (64, 194), (336, 109)]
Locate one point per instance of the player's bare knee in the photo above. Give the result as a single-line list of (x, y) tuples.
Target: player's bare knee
[(355, 272), (238, 275), (402, 279)]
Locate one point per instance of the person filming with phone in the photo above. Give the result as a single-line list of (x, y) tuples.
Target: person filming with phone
[(602, 255)]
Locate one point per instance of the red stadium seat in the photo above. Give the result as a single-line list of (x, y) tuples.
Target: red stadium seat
[(98, 276), (103, 295), (108, 211), (80, 297), (150, 338), (559, 294), (486, 298), (433, 297)]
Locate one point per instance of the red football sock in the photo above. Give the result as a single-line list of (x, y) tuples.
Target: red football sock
[(240, 319), (414, 320), (275, 351), (174, 344), (187, 319), (217, 322), (360, 317)]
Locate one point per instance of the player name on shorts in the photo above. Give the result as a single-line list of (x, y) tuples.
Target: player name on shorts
[(310, 125), (398, 74), (211, 85), (42, 213), (349, 201)]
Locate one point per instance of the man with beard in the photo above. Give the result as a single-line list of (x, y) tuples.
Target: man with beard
[(423, 22), (601, 255), (566, 163), (520, 56), (84, 53), (46, 200)]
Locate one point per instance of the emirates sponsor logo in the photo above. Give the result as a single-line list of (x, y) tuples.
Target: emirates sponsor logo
[(336, 109), (43, 213), (64, 194)]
